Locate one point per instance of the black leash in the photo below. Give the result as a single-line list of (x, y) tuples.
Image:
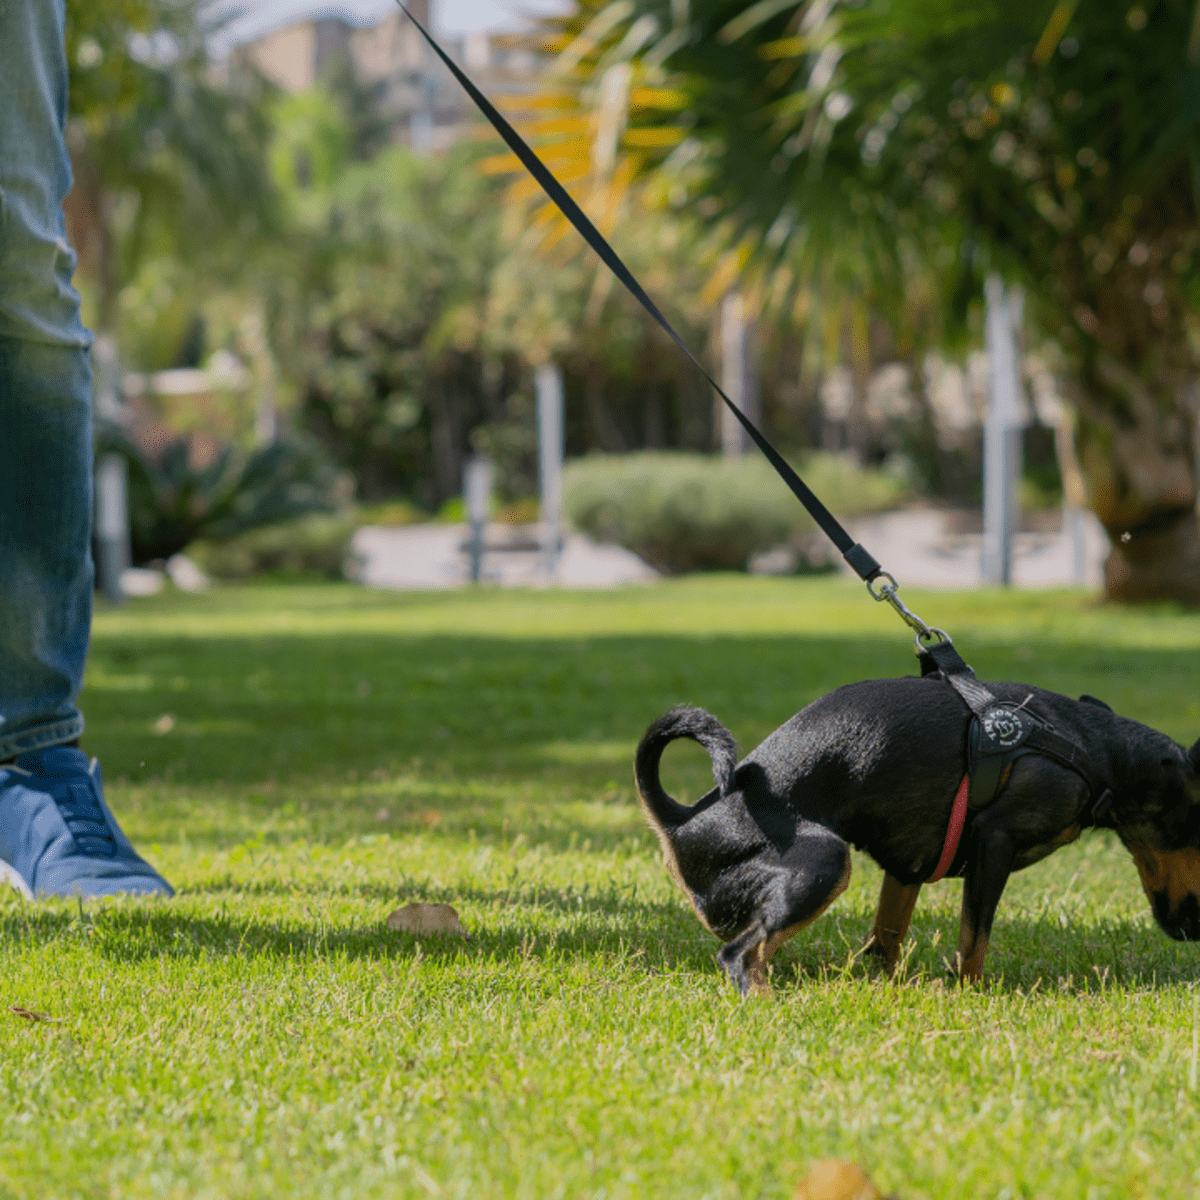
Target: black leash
[(999, 732), (859, 558)]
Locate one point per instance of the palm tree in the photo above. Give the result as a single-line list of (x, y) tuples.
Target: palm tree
[(875, 142), (166, 158)]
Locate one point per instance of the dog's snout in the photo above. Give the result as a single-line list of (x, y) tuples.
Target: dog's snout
[(1171, 880), (1179, 918)]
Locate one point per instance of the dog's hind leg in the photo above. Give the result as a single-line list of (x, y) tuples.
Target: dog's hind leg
[(742, 959), (896, 903), (811, 875)]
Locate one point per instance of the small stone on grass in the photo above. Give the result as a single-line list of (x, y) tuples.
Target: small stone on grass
[(837, 1179), (422, 919)]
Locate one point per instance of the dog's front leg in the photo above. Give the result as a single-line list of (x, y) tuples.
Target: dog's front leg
[(989, 864), (896, 903)]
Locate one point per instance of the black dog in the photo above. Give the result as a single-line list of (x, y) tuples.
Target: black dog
[(876, 766)]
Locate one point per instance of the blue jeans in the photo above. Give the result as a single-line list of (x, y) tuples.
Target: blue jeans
[(45, 397)]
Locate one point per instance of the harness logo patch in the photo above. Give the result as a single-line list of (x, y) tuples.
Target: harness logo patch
[(1004, 727)]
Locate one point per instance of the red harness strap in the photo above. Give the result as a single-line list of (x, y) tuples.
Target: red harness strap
[(958, 818)]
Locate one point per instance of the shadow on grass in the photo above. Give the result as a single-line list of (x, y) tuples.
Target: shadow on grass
[(506, 707), (461, 727), (1042, 952), (545, 923)]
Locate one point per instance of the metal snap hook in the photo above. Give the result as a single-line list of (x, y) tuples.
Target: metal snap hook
[(888, 591)]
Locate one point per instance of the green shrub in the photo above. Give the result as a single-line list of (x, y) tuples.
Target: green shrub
[(691, 512), (318, 544), (391, 513), (173, 503)]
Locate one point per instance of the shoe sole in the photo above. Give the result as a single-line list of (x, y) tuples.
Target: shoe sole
[(11, 876)]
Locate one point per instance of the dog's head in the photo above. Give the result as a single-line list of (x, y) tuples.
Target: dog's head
[(1163, 834)]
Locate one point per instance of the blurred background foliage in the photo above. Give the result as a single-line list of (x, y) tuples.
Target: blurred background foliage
[(887, 151), (168, 161), (856, 169)]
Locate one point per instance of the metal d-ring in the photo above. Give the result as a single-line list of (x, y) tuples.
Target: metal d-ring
[(924, 640), (888, 591)]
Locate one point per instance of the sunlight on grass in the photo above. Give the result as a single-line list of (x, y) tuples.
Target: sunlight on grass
[(334, 753)]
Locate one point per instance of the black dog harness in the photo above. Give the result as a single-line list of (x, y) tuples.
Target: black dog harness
[(1000, 732)]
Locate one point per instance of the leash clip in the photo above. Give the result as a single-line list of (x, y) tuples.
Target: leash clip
[(927, 635)]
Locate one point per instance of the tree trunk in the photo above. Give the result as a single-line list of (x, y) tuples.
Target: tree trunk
[(1139, 457), (603, 430), (446, 437)]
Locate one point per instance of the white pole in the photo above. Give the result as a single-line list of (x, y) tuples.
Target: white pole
[(262, 378), (1074, 494), (266, 415), (112, 479), (1001, 431), (550, 460), (477, 493), (737, 375)]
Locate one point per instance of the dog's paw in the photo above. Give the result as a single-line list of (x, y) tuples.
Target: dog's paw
[(880, 958)]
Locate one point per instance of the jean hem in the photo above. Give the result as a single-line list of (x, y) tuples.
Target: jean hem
[(41, 738)]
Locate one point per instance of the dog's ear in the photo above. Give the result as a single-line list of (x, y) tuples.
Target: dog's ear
[(1194, 757)]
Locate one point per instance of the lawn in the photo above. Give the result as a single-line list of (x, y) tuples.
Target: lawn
[(300, 760)]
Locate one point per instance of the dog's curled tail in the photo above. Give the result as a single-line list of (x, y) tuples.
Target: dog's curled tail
[(681, 722)]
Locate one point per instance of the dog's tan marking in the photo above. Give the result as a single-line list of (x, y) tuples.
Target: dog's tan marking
[(972, 950), (896, 903), (1176, 872), (1067, 836), (1037, 853), (972, 965), (757, 957), (668, 855)]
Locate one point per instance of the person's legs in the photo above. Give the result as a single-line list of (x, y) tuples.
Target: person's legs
[(45, 398), (45, 527), (55, 829)]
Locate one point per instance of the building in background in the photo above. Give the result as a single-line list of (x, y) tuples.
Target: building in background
[(426, 107)]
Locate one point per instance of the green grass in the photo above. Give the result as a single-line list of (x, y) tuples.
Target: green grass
[(334, 753)]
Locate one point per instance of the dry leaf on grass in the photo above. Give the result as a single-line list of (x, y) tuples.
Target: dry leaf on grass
[(30, 1015), (837, 1179), (426, 918)]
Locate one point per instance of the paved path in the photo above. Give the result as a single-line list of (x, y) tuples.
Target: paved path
[(918, 546), (412, 557)]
